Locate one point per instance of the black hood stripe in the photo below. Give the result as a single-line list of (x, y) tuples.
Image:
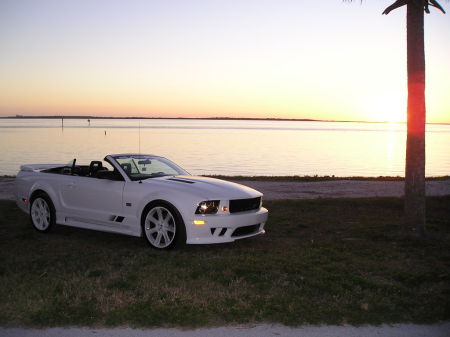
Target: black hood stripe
[(182, 181)]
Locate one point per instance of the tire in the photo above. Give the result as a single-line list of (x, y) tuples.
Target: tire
[(163, 226), (42, 213)]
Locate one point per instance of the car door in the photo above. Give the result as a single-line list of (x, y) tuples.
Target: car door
[(92, 200)]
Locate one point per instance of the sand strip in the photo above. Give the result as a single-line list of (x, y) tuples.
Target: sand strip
[(274, 190), (341, 189)]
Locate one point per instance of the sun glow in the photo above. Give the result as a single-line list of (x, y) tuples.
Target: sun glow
[(217, 59), (387, 108)]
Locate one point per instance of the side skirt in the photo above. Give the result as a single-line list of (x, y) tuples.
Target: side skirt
[(103, 226)]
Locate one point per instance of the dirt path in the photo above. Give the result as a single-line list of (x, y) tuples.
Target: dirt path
[(274, 190), (341, 189), (395, 330)]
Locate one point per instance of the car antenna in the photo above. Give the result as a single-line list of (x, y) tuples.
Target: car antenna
[(139, 136)]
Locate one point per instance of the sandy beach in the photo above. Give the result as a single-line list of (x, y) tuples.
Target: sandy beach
[(341, 189), (274, 190)]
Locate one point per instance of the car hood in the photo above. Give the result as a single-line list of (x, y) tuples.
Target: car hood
[(208, 188)]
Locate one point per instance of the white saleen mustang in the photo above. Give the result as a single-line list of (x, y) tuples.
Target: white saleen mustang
[(140, 195)]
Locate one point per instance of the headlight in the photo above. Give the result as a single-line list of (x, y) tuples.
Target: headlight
[(208, 207)]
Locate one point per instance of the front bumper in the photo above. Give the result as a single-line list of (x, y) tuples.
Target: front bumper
[(226, 227)]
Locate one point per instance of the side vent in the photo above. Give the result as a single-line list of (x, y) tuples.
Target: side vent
[(116, 218)]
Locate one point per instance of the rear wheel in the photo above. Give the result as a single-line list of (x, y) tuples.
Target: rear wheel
[(163, 226), (42, 213)]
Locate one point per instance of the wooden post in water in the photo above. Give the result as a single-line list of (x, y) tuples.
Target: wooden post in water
[(62, 122)]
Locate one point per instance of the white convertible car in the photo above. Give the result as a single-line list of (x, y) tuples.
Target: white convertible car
[(140, 195)]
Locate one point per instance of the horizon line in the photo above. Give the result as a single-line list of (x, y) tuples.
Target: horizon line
[(207, 118)]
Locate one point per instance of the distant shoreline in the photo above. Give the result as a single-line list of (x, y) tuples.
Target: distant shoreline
[(195, 118), (206, 118)]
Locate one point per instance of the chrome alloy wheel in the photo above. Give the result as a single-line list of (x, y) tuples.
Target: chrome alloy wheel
[(40, 214), (160, 227)]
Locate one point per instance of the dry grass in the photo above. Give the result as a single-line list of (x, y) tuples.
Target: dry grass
[(322, 261)]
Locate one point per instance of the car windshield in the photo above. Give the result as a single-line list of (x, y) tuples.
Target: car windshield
[(139, 167)]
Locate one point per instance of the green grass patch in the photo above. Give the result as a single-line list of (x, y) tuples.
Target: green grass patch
[(321, 261)]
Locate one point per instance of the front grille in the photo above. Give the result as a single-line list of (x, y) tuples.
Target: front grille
[(242, 205), (246, 230)]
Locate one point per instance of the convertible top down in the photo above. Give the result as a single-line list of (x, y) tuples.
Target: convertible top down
[(139, 195)]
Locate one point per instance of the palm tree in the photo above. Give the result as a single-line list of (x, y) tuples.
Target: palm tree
[(414, 207)]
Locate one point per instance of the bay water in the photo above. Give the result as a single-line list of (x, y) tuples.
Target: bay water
[(226, 147)]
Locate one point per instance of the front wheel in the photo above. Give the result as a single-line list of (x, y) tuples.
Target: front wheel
[(42, 213), (163, 226)]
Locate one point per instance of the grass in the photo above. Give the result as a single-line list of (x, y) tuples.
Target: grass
[(321, 261)]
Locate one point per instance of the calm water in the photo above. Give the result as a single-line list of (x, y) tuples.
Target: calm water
[(225, 147)]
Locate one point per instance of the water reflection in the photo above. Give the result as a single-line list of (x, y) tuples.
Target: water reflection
[(225, 147)]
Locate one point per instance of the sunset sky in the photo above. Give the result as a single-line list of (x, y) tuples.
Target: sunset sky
[(325, 59)]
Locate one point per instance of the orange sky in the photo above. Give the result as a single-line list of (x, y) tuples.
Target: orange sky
[(173, 58)]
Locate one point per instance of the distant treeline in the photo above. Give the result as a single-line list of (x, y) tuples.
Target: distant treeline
[(189, 118)]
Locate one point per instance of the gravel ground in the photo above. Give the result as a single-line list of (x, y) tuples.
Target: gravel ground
[(309, 190), (396, 330), (341, 189)]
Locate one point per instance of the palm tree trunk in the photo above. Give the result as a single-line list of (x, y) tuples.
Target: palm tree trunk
[(415, 142)]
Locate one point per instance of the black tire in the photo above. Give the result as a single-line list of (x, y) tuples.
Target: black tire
[(162, 226), (42, 213)]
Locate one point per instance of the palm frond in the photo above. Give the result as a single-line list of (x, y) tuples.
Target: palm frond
[(400, 3), (395, 5), (436, 4)]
